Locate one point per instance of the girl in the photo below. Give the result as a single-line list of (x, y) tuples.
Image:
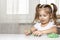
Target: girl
[(47, 17)]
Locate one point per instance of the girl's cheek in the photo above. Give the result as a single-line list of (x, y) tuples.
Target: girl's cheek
[(47, 17)]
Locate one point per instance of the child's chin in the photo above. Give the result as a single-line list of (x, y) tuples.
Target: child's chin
[(43, 23)]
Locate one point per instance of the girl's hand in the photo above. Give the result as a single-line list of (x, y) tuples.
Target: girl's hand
[(27, 32), (38, 33)]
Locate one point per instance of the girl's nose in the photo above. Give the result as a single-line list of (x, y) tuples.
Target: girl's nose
[(42, 17)]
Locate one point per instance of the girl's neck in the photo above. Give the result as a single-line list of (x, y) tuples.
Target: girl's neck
[(44, 24)]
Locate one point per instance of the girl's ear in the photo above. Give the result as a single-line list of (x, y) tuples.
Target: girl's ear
[(51, 19), (51, 15)]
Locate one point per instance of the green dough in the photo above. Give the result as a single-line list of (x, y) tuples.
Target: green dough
[(53, 35)]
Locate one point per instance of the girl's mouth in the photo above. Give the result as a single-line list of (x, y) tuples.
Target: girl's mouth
[(42, 20)]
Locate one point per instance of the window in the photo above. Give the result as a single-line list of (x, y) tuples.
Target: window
[(17, 6)]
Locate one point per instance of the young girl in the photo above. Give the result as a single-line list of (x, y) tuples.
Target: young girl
[(47, 17)]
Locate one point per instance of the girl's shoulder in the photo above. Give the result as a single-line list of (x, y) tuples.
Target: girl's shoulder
[(51, 24), (37, 24)]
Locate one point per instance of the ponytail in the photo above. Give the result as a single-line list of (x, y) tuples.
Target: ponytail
[(54, 10), (36, 14)]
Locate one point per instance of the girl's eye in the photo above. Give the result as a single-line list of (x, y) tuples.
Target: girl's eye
[(44, 15)]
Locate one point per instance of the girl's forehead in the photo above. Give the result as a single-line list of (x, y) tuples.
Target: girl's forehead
[(44, 11)]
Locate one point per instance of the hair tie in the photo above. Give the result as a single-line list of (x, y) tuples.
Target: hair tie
[(51, 7)]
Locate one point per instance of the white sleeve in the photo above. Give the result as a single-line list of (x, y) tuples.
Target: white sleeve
[(51, 25)]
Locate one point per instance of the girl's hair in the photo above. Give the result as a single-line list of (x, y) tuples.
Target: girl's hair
[(48, 8)]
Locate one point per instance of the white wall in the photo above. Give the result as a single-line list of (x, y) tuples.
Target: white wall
[(5, 18)]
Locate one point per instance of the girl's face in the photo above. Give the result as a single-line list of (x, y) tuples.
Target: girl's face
[(44, 17)]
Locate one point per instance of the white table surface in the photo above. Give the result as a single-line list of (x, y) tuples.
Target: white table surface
[(24, 37)]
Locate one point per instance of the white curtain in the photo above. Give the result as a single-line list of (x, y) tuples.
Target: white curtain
[(17, 6)]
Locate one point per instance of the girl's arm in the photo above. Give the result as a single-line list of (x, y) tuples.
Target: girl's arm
[(32, 29), (52, 30)]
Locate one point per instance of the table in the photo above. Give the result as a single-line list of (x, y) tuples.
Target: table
[(24, 37)]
